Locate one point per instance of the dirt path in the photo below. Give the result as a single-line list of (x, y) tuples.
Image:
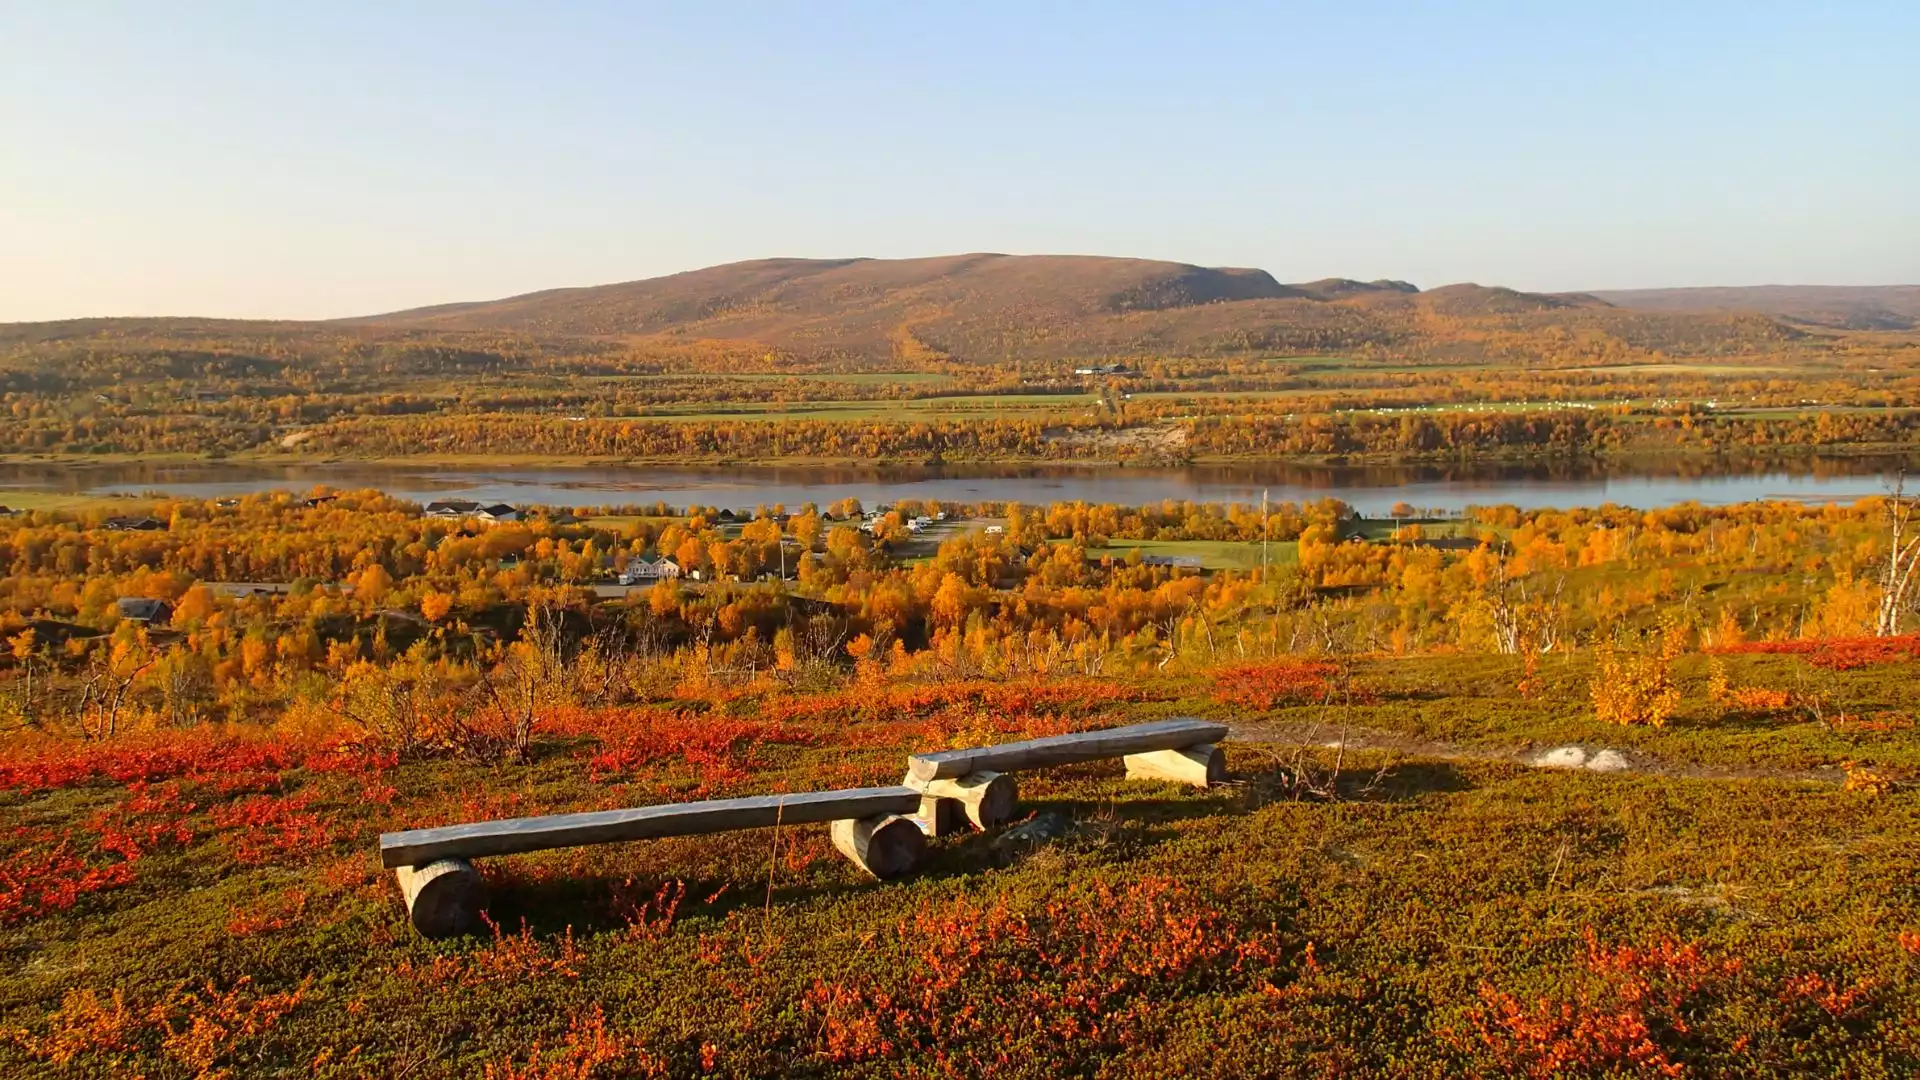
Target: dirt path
[(1568, 756)]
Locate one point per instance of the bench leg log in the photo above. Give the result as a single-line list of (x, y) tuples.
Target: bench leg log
[(986, 799), (886, 847), (1202, 766), (444, 898)]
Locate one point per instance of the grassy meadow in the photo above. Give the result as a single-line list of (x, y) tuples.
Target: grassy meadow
[(1384, 887)]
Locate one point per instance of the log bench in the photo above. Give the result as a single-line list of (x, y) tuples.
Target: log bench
[(972, 786), (445, 895)]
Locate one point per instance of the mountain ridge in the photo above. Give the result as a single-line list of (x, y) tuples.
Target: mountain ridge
[(984, 306), (989, 307)]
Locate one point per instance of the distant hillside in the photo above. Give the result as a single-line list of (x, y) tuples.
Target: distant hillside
[(980, 305), (986, 307), (981, 309), (1846, 307)]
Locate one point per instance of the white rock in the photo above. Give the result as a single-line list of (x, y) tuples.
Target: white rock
[(1561, 757), (1609, 761)]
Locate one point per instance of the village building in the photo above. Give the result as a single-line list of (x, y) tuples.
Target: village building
[(1184, 562), (463, 509), (144, 609), (131, 524), (646, 569)]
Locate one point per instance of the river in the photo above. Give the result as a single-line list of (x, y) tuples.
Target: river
[(1370, 488)]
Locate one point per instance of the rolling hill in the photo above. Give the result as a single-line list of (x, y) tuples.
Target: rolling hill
[(989, 307), (1844, 307)]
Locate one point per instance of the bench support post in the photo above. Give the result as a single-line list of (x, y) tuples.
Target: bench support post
[(1202, 766), (887, 847), (443, 898), (985, 799)]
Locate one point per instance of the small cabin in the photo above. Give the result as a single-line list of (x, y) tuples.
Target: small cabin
[(145, 609), (1183, 562)]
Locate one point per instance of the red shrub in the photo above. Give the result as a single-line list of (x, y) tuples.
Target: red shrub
[(1082, 967), (1838, 654), (152, 816), (193, 756), (47, 876), (1269, 685), (264, 829), (718, 749), (1642, 1009), (1822, 992)]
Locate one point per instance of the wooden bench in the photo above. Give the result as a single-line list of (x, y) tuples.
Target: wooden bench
[(972, 785), (445, 895)]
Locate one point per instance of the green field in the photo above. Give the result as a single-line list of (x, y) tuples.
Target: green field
[(17, 499), (1213, 554), (1382, 528)]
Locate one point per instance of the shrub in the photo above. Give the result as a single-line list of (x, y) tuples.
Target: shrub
[(1635, 689), (1270, 685)]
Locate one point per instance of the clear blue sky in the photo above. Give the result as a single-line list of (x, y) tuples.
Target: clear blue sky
[(314, 160)]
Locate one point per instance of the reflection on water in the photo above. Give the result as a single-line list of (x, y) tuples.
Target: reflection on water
[(1371, 488)]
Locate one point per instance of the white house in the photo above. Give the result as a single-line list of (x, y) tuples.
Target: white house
[(649, 569), (462, 509)]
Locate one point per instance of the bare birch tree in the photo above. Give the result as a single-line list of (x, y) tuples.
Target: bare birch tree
[(1903, 554)]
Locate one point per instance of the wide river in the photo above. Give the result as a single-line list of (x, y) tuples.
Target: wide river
[(1371, 488)]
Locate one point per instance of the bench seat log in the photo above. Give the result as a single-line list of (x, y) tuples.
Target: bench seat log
[(987, 800), (418, 847), (1066, 749), (1202, 766), (443, 898), (886, 847)]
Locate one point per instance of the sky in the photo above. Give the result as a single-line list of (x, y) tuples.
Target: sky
[(283, 160)]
